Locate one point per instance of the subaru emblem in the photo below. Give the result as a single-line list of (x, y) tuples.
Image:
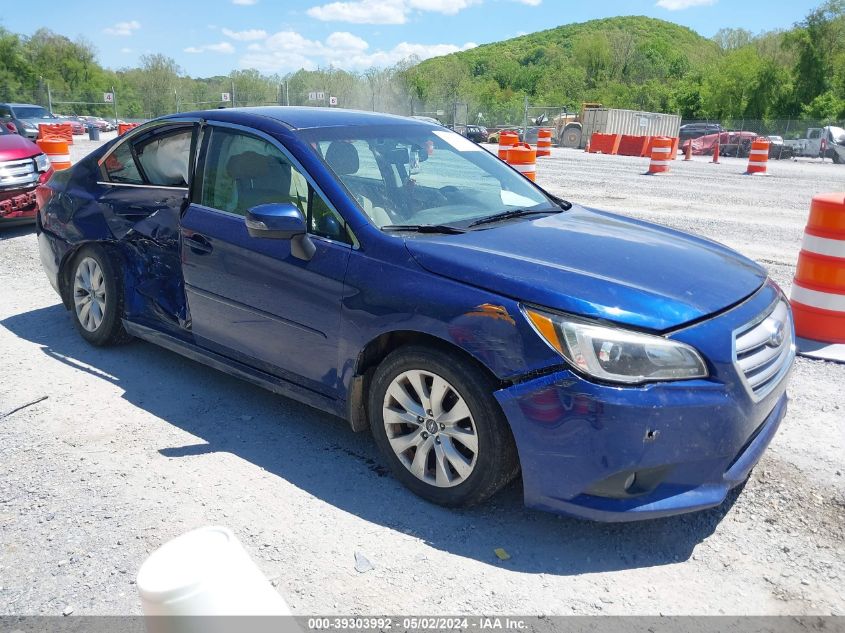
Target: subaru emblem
[(778, 334)]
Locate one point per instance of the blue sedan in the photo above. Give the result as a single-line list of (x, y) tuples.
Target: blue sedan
[(397, 275)]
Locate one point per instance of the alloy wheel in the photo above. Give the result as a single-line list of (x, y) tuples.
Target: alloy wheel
[(89, 294), (430, 428)]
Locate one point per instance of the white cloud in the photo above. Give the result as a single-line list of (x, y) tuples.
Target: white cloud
[(125, 50), (245, 3), (222, 47), (361, 12), (249, 35), (678, 5), (530, 3), (346, 41), (289, 50), (123, 29), (449, 7), (386, 11)]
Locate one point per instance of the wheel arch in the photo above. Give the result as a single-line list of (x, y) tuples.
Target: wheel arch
[(377, 349), (65, 277)]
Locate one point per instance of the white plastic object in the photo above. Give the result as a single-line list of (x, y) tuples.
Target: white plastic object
[(206, 572)]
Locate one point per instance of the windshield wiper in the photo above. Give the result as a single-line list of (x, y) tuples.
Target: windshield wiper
[(424, 228), (510, 213)]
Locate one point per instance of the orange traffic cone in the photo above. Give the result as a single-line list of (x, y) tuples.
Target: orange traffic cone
[(587, 147), (716, 153), (688, 151)]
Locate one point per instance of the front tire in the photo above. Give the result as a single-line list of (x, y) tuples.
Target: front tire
[(97, 297), (435, 421)]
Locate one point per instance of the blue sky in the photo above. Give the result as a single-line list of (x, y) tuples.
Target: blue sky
[(210, 37)]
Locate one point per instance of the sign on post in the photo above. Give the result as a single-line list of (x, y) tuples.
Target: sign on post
[(321, 96), (225, 97), (312, 96), (332, 101), (108, 97)]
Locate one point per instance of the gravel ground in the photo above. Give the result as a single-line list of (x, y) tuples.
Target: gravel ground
[(135, 445)]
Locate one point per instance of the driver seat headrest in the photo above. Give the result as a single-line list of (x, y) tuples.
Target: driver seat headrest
[(342, 157)]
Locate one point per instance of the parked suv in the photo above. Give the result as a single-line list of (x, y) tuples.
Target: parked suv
[(23, 166), (23, 118)]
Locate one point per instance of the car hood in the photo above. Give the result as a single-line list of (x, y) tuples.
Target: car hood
[(15, 147), (596, 264)]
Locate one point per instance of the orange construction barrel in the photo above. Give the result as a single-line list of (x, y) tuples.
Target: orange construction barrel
[(507, 139), (523, 158), (758, 157), (661, 148), (818, 291), (544, 142), (57, 151)]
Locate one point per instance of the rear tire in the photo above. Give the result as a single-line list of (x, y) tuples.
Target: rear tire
[(571, 136), (436, 422), (96, 294)]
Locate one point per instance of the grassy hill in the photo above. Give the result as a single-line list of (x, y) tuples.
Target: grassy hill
[(630, 61)]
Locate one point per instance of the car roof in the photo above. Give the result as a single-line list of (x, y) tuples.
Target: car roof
[(28, 105), (301, 118)]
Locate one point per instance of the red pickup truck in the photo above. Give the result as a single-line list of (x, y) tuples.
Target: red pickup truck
[(23, 166)]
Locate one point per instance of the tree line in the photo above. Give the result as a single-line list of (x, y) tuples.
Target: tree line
[(625, 62)]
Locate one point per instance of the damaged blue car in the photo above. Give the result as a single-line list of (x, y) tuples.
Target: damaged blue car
[(397, 275)]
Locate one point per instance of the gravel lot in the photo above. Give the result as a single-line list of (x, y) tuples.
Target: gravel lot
[(135, 445)]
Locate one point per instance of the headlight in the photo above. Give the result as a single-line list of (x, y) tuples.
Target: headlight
[(616, 355), (42, 163)]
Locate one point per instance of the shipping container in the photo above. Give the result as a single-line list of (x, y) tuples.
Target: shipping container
[(632, 122)]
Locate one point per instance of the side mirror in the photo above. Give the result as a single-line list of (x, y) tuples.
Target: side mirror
[(281, 221)]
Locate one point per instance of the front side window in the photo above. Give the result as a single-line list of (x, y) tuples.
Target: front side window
[(242, 171), (415, 175)]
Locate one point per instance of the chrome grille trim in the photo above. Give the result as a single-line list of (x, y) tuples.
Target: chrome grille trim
[(761, 356), (14, 173)]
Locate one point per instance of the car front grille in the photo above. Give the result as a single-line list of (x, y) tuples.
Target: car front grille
[(764, 350), (17, 173)]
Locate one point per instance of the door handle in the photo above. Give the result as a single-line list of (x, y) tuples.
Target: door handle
[(198, 244)]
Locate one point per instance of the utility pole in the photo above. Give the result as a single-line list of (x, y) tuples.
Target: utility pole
[(49, 98), (525, 121), (176, 99), (233, 93), (114, 103)]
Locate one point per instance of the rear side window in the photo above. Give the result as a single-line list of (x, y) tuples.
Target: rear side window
[(164, 158), (121, 167), (160, 159)]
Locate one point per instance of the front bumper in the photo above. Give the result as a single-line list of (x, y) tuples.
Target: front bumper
[(691, 440), (17, 205)]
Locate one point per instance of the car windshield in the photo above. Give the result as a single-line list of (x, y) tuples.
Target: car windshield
[(420, 176), (32, 112)]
